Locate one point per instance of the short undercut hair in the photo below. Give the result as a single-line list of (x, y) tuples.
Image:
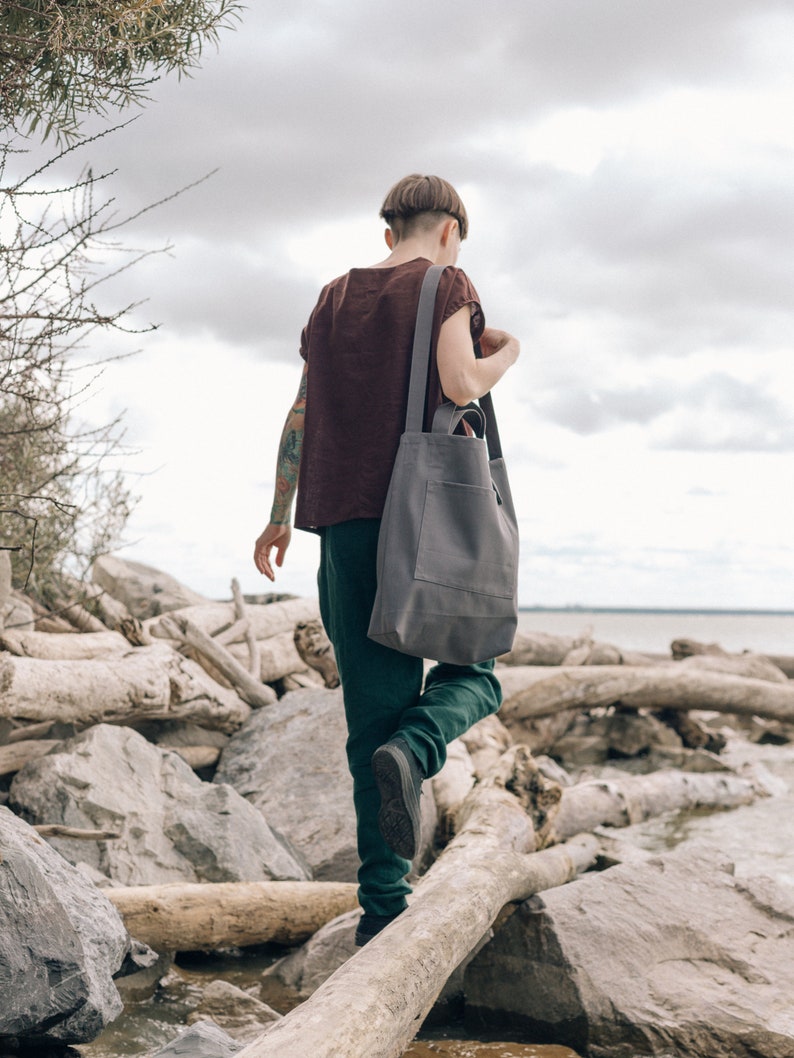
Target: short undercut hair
[(415, 199)]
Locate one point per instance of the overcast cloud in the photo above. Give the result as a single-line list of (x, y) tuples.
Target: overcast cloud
[(629, 173)]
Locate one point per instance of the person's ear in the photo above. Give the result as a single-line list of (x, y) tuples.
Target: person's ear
[(389, 237), (448, 230)]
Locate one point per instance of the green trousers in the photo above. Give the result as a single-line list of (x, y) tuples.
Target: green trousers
[(383, 697)]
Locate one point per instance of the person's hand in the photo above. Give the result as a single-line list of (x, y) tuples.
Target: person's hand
[(493, 340), (274, 536)]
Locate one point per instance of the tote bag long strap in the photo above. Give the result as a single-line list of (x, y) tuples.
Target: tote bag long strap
[(420, 363)]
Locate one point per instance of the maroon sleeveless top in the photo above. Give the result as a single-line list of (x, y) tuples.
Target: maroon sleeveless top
[(358, 345)]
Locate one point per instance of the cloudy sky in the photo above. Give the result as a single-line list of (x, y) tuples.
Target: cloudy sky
[(628, 167)]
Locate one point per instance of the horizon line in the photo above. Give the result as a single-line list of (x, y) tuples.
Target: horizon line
[(737, 611)]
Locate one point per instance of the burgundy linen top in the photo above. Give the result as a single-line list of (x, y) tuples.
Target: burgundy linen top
[(358, 344)]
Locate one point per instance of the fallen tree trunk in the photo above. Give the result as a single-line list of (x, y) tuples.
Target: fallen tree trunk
[(543, 648), (17, 754), (785, 662), (451, 787), (265, 620), (26, 731), (114, 615), (254, 664), (148, 683), (689, 648), (58, 830), (551, 690), (372, 1006), (56, 646), (315, 649), (206, 916), (249, 688), (278, 656), (197, 756), (624, 801)]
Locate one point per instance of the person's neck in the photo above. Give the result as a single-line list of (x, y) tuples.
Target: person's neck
[(409, 249)]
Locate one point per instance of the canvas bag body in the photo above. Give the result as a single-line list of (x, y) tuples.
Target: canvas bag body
[(447, 565)]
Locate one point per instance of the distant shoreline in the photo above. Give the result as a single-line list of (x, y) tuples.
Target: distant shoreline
[(674, 610)]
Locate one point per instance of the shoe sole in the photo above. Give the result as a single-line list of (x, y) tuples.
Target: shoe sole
[(399, 817)]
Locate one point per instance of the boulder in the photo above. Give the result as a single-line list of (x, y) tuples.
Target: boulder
[(669, 956), (289, 761), (298, 974), (144, 590), (171, 825), (61, 942), (202, 1040), (243, 1016)]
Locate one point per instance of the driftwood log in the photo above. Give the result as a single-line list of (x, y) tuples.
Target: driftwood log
[(687, 648), (254, 664), (205, 916), (17, 754), (278, 656), (26, 643), (58, 830), (197, 756), (250, 688), (148, 683), (373, 1005), (265, 620), (550, 690), (634, 798), (316, 650), (451, 787), (544, 648)]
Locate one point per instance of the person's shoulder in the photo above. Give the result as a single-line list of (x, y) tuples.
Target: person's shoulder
[(460, 283), (336, 283)]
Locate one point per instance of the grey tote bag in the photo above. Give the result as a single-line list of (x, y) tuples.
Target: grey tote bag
[(448, 547)]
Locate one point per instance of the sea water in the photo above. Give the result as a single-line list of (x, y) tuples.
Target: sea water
[(653, 631)]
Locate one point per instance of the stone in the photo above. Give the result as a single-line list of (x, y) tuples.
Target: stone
[(144, 590), (242, 1016), (289, 761), (298, 974), (202, 1040), (61, 943), (668, 956), (171, 825)]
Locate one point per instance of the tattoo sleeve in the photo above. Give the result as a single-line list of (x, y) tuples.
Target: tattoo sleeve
[(289, 457)]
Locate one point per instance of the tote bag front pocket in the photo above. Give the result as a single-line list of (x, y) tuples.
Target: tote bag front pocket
[(453, 550)]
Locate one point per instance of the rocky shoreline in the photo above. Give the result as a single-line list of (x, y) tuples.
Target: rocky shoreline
[(173, 779)]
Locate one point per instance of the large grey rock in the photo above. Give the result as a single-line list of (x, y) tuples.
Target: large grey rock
[(144, 590), (61, 942), (670, 956), (243, 1016), (172, 826), (303, 970), (202, 1040), (289, 761)]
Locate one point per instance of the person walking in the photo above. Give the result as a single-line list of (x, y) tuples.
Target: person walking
[(336, 452)]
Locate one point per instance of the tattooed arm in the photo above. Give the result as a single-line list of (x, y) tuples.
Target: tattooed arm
[(279, 531)]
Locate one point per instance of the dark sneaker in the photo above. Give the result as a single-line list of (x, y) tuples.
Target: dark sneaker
[(399, 779), (369, 926)]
